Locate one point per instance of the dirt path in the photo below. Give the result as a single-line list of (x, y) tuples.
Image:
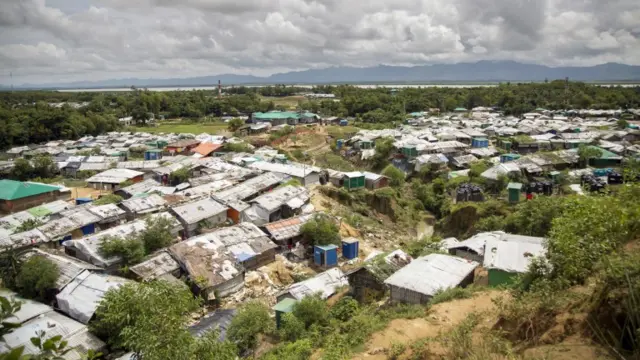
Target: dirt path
[(441, 318)]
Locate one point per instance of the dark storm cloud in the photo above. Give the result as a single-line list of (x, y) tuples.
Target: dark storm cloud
[(58, 40)]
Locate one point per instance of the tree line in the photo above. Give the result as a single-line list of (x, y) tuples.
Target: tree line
[(27, 117)]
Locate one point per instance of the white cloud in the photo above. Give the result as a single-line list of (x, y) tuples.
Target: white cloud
[(54, 40)]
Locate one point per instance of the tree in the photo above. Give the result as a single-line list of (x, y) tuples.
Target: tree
[(209, 347), (131, 250), (44, 167), (622, 124), (36, 276), (251, 320), (321, 230), (179, 176), (234, 124), (22, 170), (157, 234), (383, 150), (8, 307), (395, 175), (345, 308), (147, 318), (586, 153)]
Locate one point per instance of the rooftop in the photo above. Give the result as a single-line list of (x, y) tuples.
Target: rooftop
[(432, 273), (15, 190), (196, 211)]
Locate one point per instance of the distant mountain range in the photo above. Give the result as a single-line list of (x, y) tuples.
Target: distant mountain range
[(482, 71)]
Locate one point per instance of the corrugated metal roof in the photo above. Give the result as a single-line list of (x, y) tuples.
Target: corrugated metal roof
[(250, 187), (25, 238), (206, 258), (141, 187), (288, 228), (158, 265), (81, 216), (209, 188), (429, 274), (144, 204), (58, 228), (106, 211), (219, 319), (29, 309), (80, 298), (325, 283), (114, 176), (511, 256), (274, 199), (291, 169), (196, 211)]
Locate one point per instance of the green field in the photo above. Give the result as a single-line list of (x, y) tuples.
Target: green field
[(178, 127), (290, 102)]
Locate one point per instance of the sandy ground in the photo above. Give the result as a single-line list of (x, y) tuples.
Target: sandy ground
[(441, 318), (80, 192)]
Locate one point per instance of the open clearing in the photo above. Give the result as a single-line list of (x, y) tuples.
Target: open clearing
[(178, 127), (286, 101)]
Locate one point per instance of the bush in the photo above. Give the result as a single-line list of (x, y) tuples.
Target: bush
[(36, 276), (131, 250), (451, 294), (311, 310), (321, 230), (108, 199), (291, 328), (396, 350), (29, 224), (299, 350), (251, 320), (180, 176), (395, 175), (157, 234), (344, 309), (237, 147)]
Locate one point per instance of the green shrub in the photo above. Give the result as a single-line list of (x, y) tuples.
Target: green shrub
[(395, 175), (131, 250), (451, 294), (251, 320), (291, 328), (321, 230), (108, 199), (36, 276)]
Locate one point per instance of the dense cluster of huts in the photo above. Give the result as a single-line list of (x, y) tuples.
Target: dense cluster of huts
[(532, 145)]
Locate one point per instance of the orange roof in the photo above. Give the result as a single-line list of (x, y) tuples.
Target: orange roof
[(205, 149)]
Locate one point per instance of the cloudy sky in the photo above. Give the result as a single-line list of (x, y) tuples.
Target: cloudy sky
[(68, 40)]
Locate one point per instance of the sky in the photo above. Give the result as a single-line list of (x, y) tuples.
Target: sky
[(49, 41)]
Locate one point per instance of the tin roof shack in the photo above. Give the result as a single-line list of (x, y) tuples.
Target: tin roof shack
[(247, 243), (206, 212), (80, 298), (280, 203), (374, 181), (112, 178), (213, 270), (137, 188), (85, 220), (306, 174), (219, 319), (367, 281), (506, 259), (68, 267), (110, 214), (142, 205), (425, 276), (354, 180), (61, 229), (157, 266), (326, 284), (286, 233), (184, 146), (206, 149), (17, 195), (33, 317), (88, 248), (24, 239), (235, 197)]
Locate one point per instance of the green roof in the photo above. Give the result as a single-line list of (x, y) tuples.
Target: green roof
[(516, 186), (460, 109), (153, 151), (277, 115), (285, 306), (606, 154), (39, 211), (14, 190)]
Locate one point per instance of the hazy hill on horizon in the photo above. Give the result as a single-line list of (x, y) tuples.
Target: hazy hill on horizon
[(482, 71)]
